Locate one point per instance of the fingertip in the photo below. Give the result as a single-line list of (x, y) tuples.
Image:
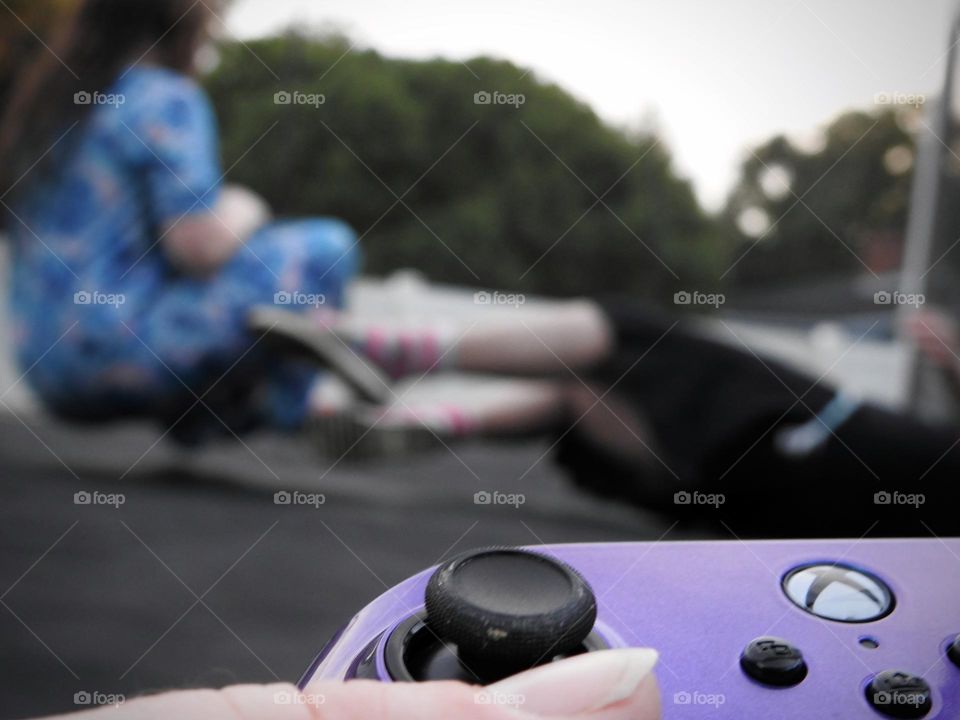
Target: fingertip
[(280, 701)]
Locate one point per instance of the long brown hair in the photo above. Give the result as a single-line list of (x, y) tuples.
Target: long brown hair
[(98, 40)]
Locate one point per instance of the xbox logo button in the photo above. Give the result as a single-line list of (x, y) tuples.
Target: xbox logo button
[(838, 592)]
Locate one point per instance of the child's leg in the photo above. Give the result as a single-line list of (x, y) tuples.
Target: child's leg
[(300, 264), (512, 407), (544, 340), (497, 408), (312, 261)]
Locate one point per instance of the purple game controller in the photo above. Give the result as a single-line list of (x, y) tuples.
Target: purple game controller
[(787, 630)]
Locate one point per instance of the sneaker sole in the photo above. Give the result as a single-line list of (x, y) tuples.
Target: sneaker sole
[(296, 333)]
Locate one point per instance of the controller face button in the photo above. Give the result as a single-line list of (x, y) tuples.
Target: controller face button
[(773, 661), (899, 694), (838, 592), (953, 652)]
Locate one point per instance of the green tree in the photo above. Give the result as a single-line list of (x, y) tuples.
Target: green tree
[(836, 211), (495, 195)]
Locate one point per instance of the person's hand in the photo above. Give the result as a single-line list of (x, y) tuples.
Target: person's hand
[(937, 337), (242, 209), (605, 685), (200, 243)]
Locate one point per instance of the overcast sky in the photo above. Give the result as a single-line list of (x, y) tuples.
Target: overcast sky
[(716, 76)]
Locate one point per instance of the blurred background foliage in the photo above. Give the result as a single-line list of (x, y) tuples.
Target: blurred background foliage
[(838, 210), (22, 27), (543, 198), (487, 190)]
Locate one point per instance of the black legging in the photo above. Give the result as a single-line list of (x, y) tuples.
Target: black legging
[(715, 410)]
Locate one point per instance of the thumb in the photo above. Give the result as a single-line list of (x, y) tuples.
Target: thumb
[(605, 685), (609, 684)]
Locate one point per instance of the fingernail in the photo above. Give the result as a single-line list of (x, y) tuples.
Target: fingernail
[(578, 685)]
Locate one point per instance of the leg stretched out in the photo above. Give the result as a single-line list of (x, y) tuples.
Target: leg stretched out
[(543, 340), (550, 339)]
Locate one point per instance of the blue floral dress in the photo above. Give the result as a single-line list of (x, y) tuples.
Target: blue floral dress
[(106, 327)]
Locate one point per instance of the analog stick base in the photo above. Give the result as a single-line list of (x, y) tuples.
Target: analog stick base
[(415, 653)]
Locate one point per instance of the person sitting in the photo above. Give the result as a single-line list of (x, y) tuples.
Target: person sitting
[(133, 264)]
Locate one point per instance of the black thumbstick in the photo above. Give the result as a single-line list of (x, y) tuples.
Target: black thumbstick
[(508, 610)]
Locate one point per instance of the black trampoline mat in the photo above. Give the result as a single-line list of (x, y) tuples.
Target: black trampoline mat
[(200, 580)]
